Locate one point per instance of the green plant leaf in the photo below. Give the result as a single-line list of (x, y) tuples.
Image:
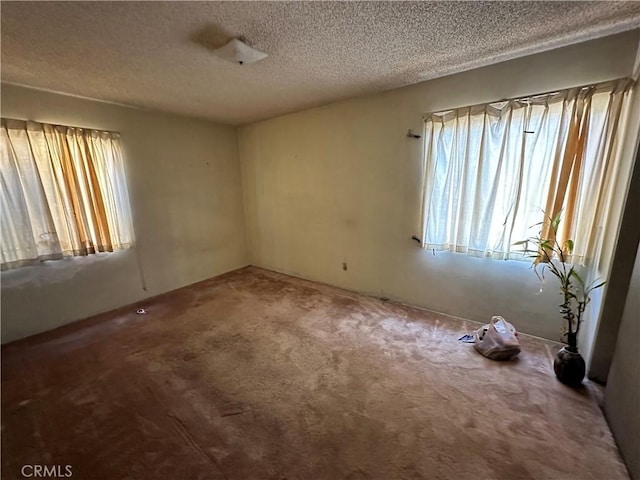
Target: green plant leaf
[(556, 221), (540, 275), (521, 242), (546, 244), (572, 272), (570, 245), (597, 286)]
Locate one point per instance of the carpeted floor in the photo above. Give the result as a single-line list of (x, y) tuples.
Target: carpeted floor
[(256, 375)]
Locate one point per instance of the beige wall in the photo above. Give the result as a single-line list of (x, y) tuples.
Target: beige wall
[(341, 183), (622, 396), (185, 188)]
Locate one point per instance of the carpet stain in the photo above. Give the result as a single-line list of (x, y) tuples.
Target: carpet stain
[(257, 375)]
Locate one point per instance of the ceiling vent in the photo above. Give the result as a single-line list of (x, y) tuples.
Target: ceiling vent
[(239, 52)]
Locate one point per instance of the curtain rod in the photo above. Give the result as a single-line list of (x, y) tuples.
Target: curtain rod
[(60, 125), (523, 97)]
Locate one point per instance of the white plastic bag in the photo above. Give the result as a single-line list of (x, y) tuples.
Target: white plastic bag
[(498, 340)]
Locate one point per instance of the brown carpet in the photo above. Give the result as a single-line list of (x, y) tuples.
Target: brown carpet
[(256, 375)]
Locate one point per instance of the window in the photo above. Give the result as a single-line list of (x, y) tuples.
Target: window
[(62, 193), (494, 170)]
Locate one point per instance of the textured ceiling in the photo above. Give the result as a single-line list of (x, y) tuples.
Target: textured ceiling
[(158, 54)]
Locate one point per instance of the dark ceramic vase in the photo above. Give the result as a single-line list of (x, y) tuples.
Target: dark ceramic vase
[(569, 367)]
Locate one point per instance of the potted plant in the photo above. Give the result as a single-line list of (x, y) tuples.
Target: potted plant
[(549, 255)]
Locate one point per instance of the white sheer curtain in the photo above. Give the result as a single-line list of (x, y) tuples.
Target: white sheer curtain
[(494, 170), (62, 192)]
